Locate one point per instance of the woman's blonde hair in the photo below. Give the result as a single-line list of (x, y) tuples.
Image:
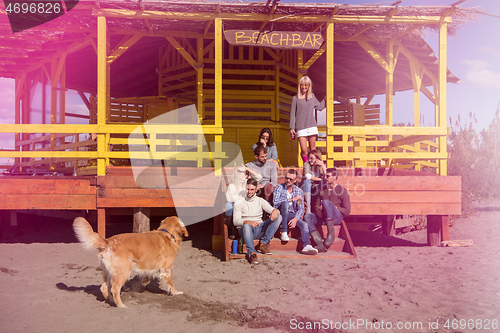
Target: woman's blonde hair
[(316, 153), (306, 80)]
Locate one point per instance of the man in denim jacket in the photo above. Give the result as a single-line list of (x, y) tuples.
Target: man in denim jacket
[(288, 198)]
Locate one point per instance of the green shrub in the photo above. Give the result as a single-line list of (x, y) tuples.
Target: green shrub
[(475, 156)]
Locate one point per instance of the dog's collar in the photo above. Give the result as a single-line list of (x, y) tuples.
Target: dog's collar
[(169, 234)]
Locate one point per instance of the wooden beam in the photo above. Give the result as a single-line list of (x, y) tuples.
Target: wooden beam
[(141, 220), (410, 139), (315, 57), (330, 87), (391, 13), (389, 83), (73, 47), (270, 12), (85, 100), (369, 99), (125, 128), (429, 94), (209, 23), (103, 88), (182, 51), (122, 47), (409, 55), (375, 55), (361, 30), (218, 72), (101, 222), (345, 19), (60, 65), (148, 24), (200, 97), (441, 119), (417, 74), (386, 130)]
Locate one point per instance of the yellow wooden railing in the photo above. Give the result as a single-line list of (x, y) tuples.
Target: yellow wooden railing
[(384, 145), (152, 140)]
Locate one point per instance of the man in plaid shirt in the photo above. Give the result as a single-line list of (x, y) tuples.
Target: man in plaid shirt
[(288, 198)]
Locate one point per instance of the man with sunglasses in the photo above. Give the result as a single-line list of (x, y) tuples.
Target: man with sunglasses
[(332, 206), (288, 198)]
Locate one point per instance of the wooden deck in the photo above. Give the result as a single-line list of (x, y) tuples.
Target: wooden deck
[(375, 194), (183, 188)]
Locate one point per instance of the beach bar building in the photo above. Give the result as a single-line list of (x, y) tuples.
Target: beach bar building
[(238, 64)]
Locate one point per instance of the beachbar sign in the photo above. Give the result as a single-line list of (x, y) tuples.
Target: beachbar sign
[(275, 39)]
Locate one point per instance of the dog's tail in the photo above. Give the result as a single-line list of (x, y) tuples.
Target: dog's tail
[(87, 236)]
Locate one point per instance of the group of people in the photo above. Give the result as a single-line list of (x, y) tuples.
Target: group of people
[(257, 206)]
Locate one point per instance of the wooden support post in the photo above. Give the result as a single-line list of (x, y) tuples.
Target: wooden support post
[(348, 245), (437, 229), (19, 82), (275, 116), (445, 228), (8, 224), (219, 54), (329, 90), (13, 223), (388, 225), (141, 220), (103, 90), (441, 118), (389, 83), (199, 83), (225, 235), (101, 222), (300, 73)]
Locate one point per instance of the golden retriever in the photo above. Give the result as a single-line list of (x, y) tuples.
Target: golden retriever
[(124, 256)]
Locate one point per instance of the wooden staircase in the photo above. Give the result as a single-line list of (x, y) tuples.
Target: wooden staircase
[(341, 248)]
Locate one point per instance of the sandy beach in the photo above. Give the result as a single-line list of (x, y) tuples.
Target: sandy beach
[(49, 283)]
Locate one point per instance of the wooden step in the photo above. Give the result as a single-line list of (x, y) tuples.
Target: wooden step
[(294, 255), (292, 248)]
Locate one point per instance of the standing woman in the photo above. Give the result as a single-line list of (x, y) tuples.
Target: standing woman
[(266, 139), (302, 121)]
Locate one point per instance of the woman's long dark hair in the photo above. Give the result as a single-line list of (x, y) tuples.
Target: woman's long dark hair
[(268, 131)]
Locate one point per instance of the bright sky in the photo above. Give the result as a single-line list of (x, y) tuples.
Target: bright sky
[(473, 56)]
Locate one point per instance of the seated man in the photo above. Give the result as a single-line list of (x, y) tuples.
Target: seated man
[(332, 206), (288, 198), (266, 169), (237, 189), (247, 217)]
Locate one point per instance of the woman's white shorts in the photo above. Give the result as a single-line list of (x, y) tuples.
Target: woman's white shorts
[(307, 132)]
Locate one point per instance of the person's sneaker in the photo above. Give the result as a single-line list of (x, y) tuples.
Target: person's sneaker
[(284, 236), (264, 248), (253, 259), (308, 249)]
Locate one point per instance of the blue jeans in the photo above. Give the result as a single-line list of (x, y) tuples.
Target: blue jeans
[(307, 187), (265, 230), (228, 208), (330, 212), (287, 215)]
